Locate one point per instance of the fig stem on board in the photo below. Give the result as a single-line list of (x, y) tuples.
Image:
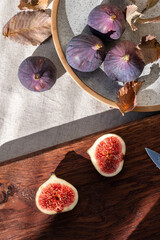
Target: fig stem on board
[(52, 173)]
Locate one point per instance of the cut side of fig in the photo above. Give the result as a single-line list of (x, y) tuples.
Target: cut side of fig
[(107, 154), (55, 196)]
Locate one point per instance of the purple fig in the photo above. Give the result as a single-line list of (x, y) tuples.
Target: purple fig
[(37, 73), (122, 62), (85, 53), (107, 20)]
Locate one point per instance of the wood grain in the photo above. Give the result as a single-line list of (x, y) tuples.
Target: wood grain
[(55, 36), (125, 207)]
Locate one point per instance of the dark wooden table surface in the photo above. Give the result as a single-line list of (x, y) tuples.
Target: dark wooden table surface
[(124, 207)]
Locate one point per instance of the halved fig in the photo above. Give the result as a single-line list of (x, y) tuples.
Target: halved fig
[(56, 195), (107, 154)]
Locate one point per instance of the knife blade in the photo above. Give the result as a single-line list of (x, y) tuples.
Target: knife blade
[(155, 157)]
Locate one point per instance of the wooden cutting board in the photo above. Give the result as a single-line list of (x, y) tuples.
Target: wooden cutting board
[(124, 207)]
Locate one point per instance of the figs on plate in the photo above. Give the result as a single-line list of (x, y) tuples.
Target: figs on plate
[(122, 62), (85, 53), (55, 196), (37, 73), (107, 20), (107, 154)]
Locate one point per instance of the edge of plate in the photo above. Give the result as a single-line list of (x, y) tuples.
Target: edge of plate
[(54, 29)]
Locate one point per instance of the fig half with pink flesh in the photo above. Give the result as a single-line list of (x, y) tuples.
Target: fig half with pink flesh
[(55, 196), (107, 154)]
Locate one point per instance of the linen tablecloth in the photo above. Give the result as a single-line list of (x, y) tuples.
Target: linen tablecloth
[(30, 121)]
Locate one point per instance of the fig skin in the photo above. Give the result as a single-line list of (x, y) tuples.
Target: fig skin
[(122, 62), (107, 21), (37, 73), (117, 153), (85, 53)]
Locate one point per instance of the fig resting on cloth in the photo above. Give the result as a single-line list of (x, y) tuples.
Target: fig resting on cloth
[(37, 73)]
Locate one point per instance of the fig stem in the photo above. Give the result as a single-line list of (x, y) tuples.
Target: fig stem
[(97, 46), (113, 17), (126, 57), (37, 76), (52, 173)]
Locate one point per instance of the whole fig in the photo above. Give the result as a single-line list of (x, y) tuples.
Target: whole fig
[(107, 20), (85, 53), (122, 62), (37, 73)]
